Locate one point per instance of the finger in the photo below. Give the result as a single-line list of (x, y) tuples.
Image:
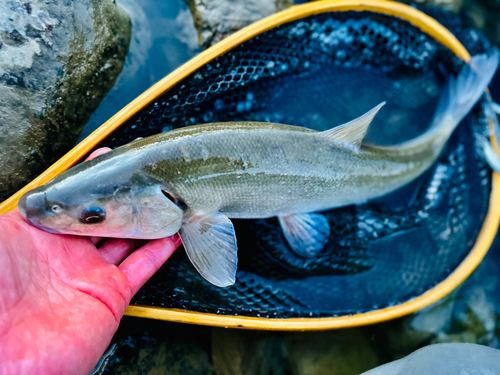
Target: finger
[(115, 250), (96, 240), (143, 263), (98, 152)]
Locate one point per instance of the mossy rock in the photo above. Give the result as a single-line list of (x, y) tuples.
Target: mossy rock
[(57, 62)]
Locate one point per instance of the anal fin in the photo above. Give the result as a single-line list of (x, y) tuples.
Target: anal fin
[(210, 244), (307, 234)]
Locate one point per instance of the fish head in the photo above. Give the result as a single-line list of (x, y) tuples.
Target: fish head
[(99, 201)]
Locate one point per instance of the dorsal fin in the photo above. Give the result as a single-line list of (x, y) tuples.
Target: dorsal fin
[(352, 133)]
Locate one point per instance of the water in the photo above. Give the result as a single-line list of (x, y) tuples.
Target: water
[(163, 38)]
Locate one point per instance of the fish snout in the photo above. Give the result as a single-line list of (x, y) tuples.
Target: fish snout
[(32, 206)]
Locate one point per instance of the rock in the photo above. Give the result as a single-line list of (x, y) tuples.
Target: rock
[(445, 359), (453, 5), (153, 347), (400, 337), (343, 352), (57, 61), (485, 15), (239, 352), (216, 19)]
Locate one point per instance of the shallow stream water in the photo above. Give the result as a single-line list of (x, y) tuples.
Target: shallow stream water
[(163, 38)]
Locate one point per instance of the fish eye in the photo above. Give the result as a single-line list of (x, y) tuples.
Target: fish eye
[(92, 215), (56, 208)]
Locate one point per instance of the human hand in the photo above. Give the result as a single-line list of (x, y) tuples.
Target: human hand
[(62, 297)]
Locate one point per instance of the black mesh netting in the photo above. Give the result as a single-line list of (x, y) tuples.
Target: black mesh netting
[(319, 72)]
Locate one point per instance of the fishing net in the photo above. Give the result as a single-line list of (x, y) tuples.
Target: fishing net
[(318, 72)]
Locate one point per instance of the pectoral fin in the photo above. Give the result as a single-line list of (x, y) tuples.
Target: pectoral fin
[(211, 246), (307, 234), (352, 133)]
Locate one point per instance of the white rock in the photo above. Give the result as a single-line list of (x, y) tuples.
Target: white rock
[(445, 359)]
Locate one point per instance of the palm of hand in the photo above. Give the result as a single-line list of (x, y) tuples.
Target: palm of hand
[(62, 298)]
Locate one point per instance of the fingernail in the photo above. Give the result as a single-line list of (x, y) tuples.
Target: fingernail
[(98, 152)]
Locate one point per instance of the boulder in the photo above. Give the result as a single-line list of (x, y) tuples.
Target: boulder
[(216, 19), (445, 359), (342, 352), (453, 5), (241, 352), (143, 346), (57, 62)]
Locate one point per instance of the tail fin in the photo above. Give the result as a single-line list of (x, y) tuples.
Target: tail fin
[(460, 94), (490, 155)]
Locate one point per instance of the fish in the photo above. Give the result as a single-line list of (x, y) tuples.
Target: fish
[(194, 180)]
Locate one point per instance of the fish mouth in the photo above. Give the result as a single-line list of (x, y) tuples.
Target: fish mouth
[(32, 206), (21, 205)]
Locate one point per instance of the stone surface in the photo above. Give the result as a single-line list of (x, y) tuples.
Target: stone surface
[(486, 16), (342, 352), (453, 5), (239, 352), (445, 359), (57, 61), (151, 347), (216, 19)]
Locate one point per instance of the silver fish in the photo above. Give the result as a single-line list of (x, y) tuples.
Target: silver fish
[(195, 179)]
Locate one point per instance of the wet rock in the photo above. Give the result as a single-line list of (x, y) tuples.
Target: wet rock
[(153, 347), (445, 359), (485, 15), (239, 352), (343, 352), (400, 337), (453, 5), (57, 61), (216, 19)]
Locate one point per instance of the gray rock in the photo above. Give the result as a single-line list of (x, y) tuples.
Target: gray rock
[(151, 347), (239, 352), (342, 352), (485, 15), (453, 5), (445, 359), (57, 61), (216, 19)]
